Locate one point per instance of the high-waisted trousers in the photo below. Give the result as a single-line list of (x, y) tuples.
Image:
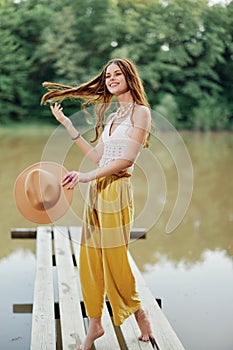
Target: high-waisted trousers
[(104, 266)]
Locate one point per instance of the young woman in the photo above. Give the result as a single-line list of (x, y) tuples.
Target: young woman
[(104, 265)]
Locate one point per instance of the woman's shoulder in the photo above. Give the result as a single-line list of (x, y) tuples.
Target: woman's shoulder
[(142, 108), (142, 114)]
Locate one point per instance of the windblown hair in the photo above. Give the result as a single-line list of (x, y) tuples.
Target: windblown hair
[(95, 91)]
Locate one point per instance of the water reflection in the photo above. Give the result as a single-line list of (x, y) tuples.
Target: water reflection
[(193, 298), (17, 276), (208, 222), (190, 269)]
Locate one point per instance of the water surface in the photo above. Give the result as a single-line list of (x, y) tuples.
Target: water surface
[(190, 269)]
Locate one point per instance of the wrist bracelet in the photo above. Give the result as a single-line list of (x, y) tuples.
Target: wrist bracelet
[(76, 137)]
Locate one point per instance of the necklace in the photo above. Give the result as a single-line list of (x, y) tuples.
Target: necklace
[(123, 111)]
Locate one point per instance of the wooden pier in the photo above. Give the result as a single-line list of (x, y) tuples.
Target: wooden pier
[(62, 324)]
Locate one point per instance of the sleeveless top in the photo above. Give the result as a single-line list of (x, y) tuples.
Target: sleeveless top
[(115, 145)]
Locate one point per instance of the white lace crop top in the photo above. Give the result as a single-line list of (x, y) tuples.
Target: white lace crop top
[(115, 144)]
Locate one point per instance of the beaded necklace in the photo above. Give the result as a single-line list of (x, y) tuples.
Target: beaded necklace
[(123, 111)]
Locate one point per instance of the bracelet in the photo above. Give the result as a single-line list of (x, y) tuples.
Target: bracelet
[(76, 137)]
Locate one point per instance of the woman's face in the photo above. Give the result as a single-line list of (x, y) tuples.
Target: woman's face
[(115, 80)]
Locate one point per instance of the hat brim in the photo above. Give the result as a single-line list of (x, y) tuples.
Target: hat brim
[(45, 216)]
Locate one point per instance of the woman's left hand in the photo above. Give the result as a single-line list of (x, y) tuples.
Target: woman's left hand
[(74, 177)]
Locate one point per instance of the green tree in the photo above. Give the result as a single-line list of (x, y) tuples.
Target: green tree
[(14, 67), (183, 51), (209, 115), (21, 24), (169, 108)]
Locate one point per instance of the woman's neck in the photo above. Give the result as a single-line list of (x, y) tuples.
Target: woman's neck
[(125, 97)]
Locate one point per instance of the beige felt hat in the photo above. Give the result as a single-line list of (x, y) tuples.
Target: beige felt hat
[(39, 195)]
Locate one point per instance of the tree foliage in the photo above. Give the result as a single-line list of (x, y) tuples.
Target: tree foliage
[(183, 51)]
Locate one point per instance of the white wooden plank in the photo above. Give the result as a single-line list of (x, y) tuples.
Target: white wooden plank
[(72, 326), (165, 336), (109, 339), (130, 332), (75, 236), (43, 335)]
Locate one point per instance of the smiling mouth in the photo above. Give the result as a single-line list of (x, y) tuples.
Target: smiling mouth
[(113, 84)]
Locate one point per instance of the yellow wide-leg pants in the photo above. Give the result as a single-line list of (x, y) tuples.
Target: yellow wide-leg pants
[(104, 265)]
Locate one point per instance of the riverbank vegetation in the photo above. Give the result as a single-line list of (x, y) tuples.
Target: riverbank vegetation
[(183, 51)]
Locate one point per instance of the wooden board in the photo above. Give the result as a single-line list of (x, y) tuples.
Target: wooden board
[(166, 338), (23, 233), (131, 331), (136, 233), (43, 334), (72, 326)]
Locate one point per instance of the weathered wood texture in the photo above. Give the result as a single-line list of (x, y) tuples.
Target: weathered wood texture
[(28, 233), (72, 326), (60, 246), (166, 338), (43, 320)]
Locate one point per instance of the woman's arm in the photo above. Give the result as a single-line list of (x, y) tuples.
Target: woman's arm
[(93, 153), (139, 132)]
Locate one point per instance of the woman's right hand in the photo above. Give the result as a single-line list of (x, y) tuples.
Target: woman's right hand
[(59, 115)]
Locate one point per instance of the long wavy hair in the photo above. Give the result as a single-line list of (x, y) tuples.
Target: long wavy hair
[(95, 91)]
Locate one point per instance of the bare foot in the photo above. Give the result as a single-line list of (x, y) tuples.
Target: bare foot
[(144, 325), (95, 331)]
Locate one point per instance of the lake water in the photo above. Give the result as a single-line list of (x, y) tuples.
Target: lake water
[(190, 268)]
